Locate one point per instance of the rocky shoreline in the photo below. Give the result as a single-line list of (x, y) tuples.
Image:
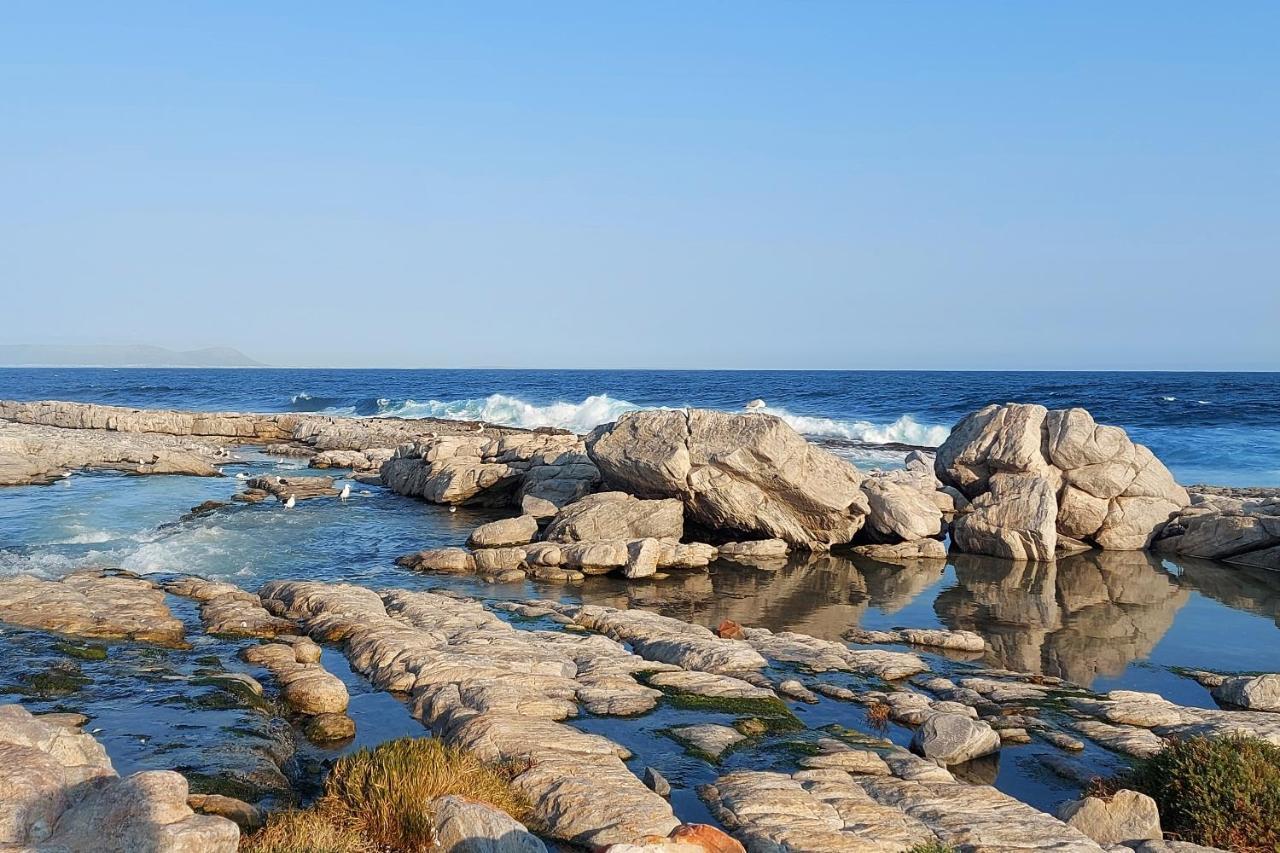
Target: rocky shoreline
[(656, 493)]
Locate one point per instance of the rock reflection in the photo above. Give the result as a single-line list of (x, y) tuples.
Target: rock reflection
[(822, 595)]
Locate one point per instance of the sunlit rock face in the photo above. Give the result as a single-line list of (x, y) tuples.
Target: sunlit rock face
[(1078, 618), (1035, 475)]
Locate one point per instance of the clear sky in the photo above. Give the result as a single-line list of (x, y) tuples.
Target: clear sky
[(658, 184)]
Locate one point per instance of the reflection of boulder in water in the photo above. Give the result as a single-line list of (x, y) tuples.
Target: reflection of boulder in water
[(1082, 616), (1117, 606), (1238, 587), (822, 595)]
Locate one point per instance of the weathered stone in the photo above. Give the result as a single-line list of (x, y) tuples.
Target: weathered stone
[(1014, 519), (760, 549), (901, 511), (507, 531), (824, 655), (708, 739), (226, 610), (1126, 817), (657, 782), (306, 687), (445, 560), (750, 473), (245, 815), (616, 515), (927, 549), (642, 558), (91, 604), (1253, 693), (954, 739), (967, 641), (298, 488), (460, 825)]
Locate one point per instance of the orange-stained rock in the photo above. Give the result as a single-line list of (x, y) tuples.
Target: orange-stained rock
[(707, 837), (730, 630)]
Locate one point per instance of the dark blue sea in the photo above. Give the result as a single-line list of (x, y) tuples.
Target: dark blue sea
[(1221, 428)]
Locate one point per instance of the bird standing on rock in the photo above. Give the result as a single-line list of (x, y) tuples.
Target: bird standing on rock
[(289, 504)]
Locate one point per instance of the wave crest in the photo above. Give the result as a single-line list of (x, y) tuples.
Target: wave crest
[(506, 410)]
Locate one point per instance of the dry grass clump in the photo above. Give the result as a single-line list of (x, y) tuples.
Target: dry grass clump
[(314, 830), (878, 715), (380, 799)]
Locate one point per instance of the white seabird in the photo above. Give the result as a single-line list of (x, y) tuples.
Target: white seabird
[(289, 504), (345, 493), (242, 476), (755, 405)]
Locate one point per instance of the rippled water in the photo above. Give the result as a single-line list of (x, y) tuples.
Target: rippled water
[(1101, 620)]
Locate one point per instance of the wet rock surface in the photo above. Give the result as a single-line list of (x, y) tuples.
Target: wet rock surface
[(91, 604), (58, 791)]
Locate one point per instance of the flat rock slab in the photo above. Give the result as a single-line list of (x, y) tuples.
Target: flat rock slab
[(228, 611), (91, 604), (485, 685), (708, 739), (825, 655), (34, 454), (710, 685), (1152, 711), (58, 792)]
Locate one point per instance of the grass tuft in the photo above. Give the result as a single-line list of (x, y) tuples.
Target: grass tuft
[(1218, 792), (381, 798)]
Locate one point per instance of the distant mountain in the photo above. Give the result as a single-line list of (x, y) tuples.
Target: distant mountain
[(50, 355)]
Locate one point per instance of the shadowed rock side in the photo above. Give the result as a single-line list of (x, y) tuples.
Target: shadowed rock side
[(1241, 531), (1039, 478), (59, 793)]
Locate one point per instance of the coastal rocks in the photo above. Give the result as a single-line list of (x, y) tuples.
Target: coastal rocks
[(819, 655), (661, 638), (816, 811), (41, 455), (1151, 711), (1253, 693), (747, 473), (59, 792), (954, 739), (306, 687), (504, 532), (361, 461), (707, 740), (445, 560), (900, 511), (228, 611), (964, 641), (1014, 519), (747, 552), (926, 549), (299, 488), (543, 469), (616, 515), (91, 604), (1243, 531), (1127, 817), (1034, 474), (460, 825), (498, 691)]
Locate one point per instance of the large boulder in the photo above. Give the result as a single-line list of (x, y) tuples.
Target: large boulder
[(616, 515), (742, 473), (1101, 488), (1252, 692)]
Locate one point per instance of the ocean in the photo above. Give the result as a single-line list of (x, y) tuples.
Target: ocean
[(1219, 428)]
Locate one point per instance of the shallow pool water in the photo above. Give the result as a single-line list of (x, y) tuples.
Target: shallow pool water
[(1100, 620)]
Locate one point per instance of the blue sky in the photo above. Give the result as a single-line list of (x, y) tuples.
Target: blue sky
[(663, 184)]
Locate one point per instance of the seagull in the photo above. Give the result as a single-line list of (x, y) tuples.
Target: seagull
[(346, 492), (290, 503), (453, 509), (755, 405), (242, 476)]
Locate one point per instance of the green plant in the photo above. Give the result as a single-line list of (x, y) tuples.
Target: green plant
[(1220, 792), (932, 847)]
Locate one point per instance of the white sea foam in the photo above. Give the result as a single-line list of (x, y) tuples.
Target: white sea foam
[(601, 409)]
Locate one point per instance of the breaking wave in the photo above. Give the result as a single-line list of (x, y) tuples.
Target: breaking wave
[(599, 409)]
